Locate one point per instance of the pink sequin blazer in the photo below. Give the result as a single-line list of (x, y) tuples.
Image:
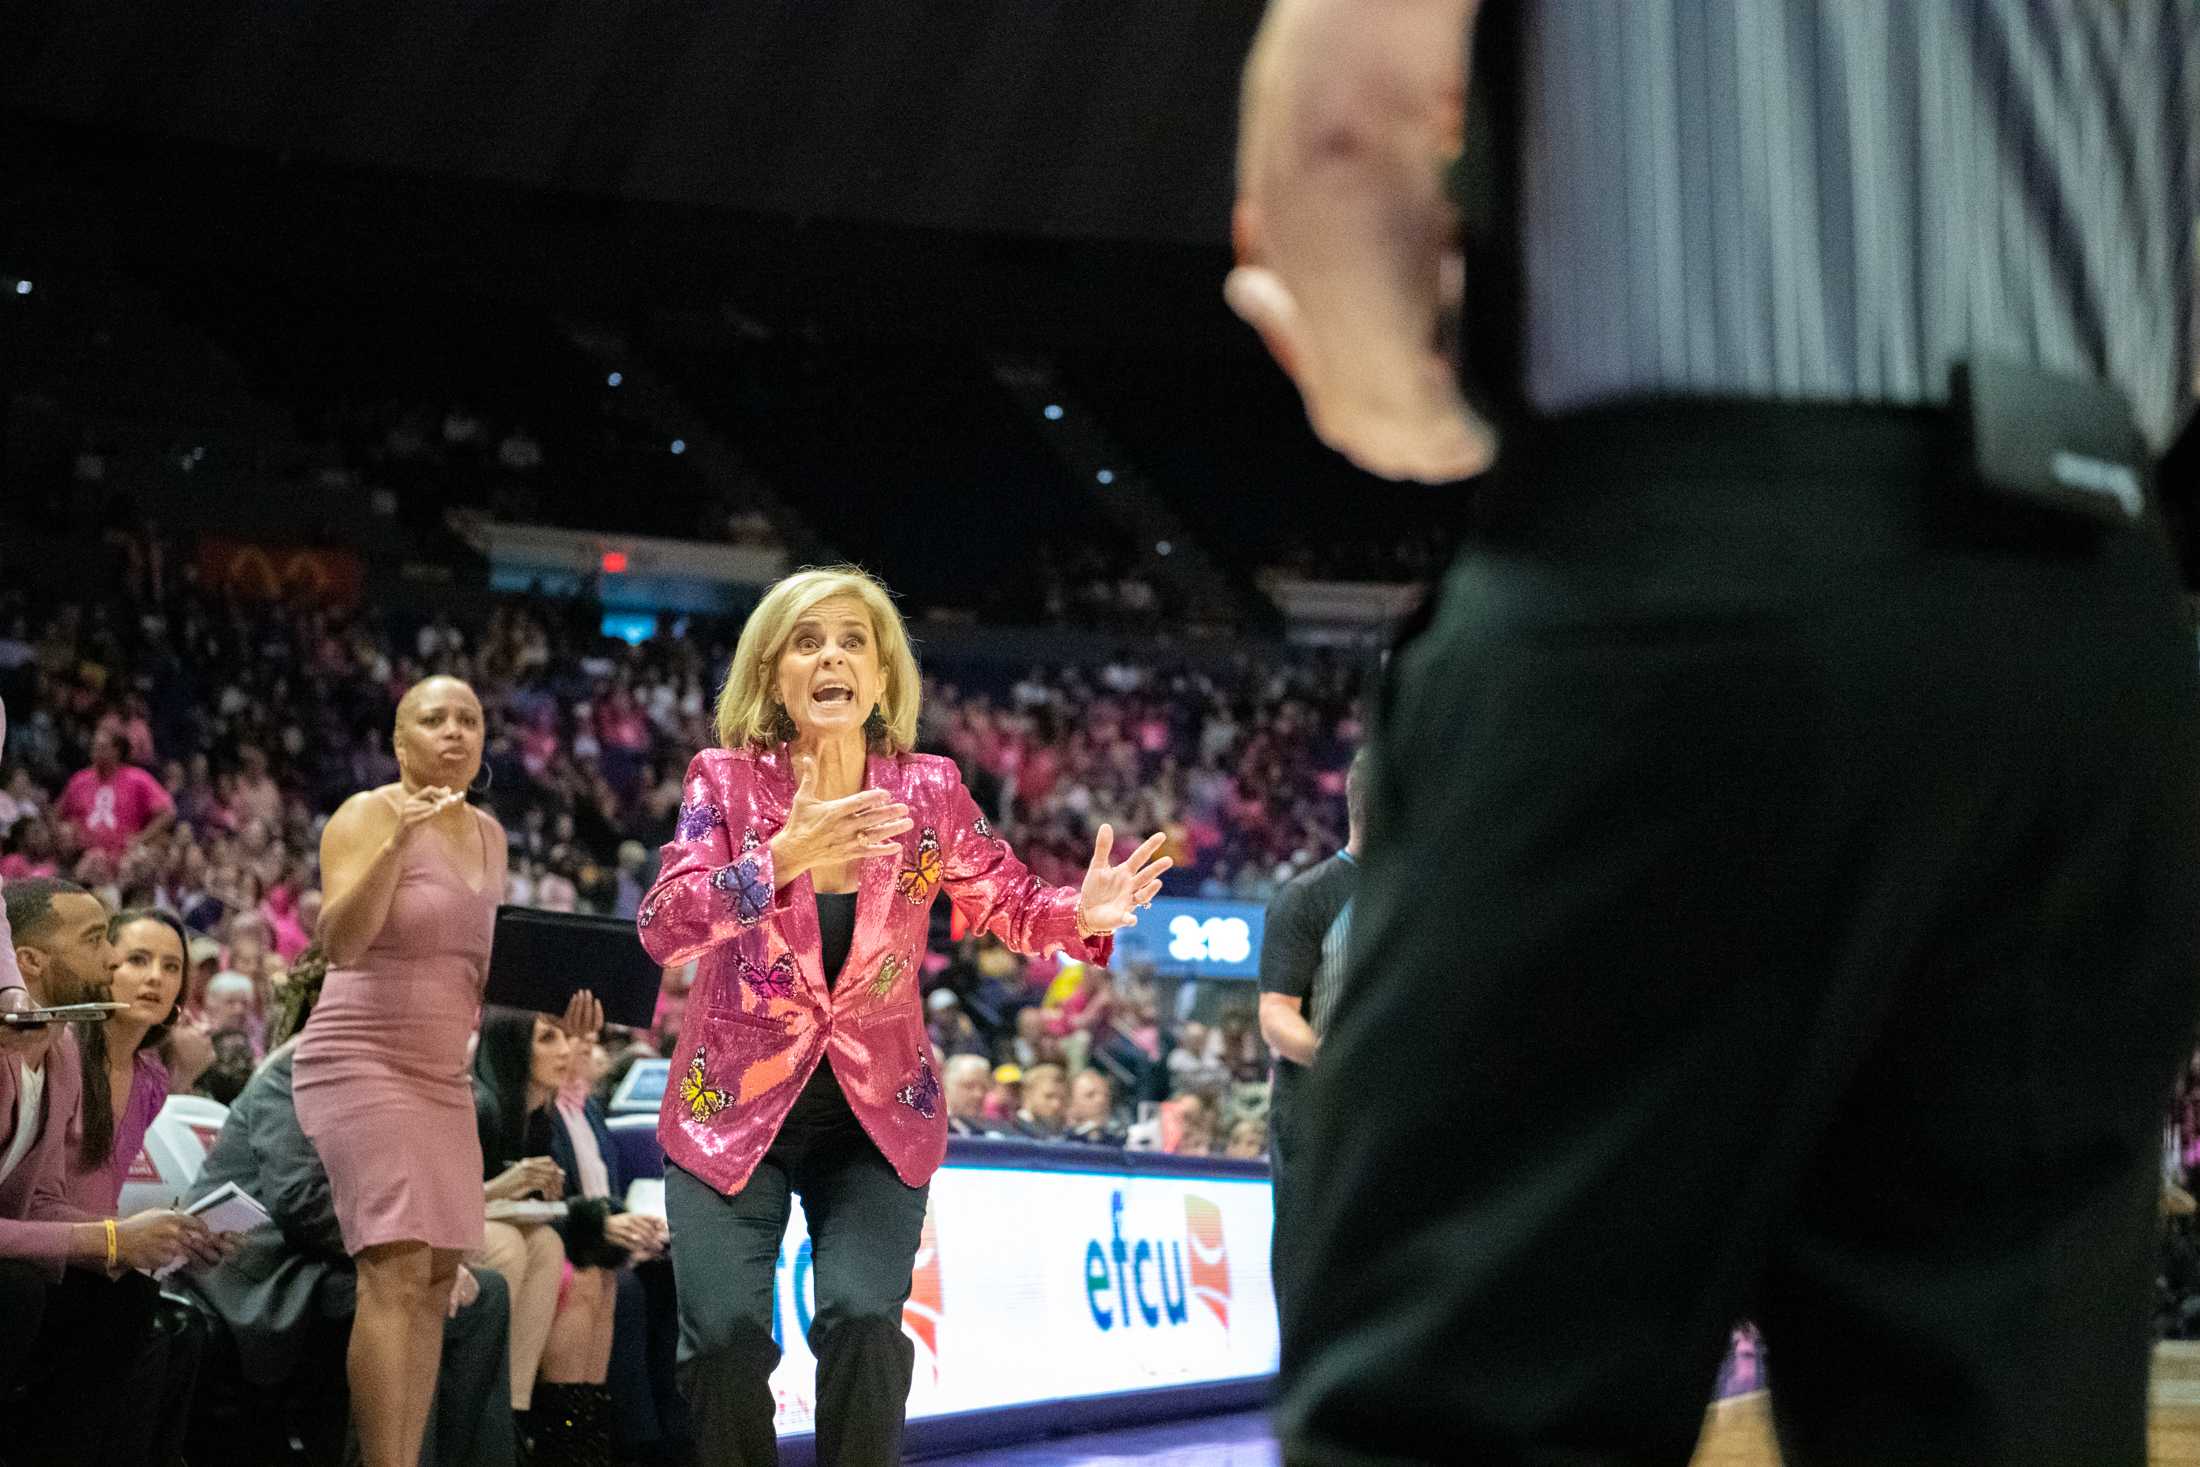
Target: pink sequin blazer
[(761, 1015)]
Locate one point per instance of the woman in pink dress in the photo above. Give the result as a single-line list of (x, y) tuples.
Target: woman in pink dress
[(412, 875)]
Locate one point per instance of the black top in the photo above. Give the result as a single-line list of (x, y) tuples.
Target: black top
[(836, 930), (1291, 949)]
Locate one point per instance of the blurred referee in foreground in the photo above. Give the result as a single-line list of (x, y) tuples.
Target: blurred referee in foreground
[(1783, 863)]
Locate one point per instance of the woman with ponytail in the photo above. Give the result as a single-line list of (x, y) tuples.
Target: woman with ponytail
[(125, 1083)]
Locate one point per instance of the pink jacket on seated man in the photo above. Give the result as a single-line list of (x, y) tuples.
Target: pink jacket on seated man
[(10, 976), (762, 1015), (36, 1214)]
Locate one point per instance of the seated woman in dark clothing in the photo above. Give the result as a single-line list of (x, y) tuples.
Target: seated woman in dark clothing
[(647, 1416), (522, 1062)]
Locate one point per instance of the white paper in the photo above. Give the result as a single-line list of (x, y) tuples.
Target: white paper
[(646, 1196), (226, 1209), (525, 1210)]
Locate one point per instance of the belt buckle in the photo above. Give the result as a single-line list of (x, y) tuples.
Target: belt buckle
[(2054, 440)]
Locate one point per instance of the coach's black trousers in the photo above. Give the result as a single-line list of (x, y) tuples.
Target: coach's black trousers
[(1780, 899), (864, 1225)]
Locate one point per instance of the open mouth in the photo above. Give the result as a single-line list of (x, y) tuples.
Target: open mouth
[(833, 693)]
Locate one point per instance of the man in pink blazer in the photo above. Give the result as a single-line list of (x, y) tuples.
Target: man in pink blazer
[(800, 878), (62, 933), (69, 1303), (12, 993)]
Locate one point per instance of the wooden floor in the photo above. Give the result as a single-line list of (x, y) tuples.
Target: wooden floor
[(1738, 1433)]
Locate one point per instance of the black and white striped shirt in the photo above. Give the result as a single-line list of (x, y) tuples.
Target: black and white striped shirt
[(1329, 977), (1836, 199)]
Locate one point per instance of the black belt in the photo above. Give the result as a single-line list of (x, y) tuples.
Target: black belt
[(1739, 441), (2053, 442)]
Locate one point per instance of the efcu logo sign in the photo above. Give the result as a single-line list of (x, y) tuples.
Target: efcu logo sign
[(1210, 1256), (1131, 1281)]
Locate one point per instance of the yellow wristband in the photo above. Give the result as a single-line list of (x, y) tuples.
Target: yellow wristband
[(112, 1251)]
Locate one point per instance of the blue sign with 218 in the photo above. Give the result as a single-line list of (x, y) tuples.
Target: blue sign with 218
[(1194, 937)]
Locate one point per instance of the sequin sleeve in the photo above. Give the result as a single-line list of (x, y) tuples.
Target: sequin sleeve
[(997, 893), (707, 892)]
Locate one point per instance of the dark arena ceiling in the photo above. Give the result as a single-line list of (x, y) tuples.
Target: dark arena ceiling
[(1050, 171)]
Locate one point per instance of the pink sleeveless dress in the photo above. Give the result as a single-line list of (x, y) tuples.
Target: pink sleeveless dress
[(382, 1083)]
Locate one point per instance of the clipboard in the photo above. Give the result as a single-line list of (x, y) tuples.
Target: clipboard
[(67, 1013), (226, 1209), (539, 960)]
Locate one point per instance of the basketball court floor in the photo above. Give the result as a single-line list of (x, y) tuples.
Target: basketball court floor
[(1737, 1433)]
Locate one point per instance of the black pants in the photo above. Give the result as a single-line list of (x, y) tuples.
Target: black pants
[(1284, 1165), (108, 1365), (1779, 899), (864, 1225), (648, 1418), (470, 1424), (22, 1315), (244, 1422)]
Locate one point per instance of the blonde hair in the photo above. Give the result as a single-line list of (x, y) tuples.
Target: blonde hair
[(748, 715)]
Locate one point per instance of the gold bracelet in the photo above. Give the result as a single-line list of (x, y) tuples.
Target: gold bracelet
[(1083, 930), (113, 1253)]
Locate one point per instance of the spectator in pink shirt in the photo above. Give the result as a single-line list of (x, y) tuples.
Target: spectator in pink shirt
[(33, 854), (620, 724), (279, 910), (111, 804), (258, 797)]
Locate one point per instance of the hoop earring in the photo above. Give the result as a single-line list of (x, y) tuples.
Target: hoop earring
[(487, 777)]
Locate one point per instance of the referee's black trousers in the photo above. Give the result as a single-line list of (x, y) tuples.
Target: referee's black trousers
[(1780, 901)]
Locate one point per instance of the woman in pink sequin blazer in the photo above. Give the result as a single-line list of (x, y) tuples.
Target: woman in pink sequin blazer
[(808, 853)]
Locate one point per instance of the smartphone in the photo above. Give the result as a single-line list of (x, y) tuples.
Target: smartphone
[(68, 1013)]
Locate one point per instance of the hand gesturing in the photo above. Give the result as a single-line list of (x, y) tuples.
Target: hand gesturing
[(583, 1018), (418, 807), (834, 832), (1111, 895)]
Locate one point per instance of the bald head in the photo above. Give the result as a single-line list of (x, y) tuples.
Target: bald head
[(431, 689), (439, 734), (967, 1078)]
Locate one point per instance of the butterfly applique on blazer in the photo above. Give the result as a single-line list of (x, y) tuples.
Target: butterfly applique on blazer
[(761, 1015)]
